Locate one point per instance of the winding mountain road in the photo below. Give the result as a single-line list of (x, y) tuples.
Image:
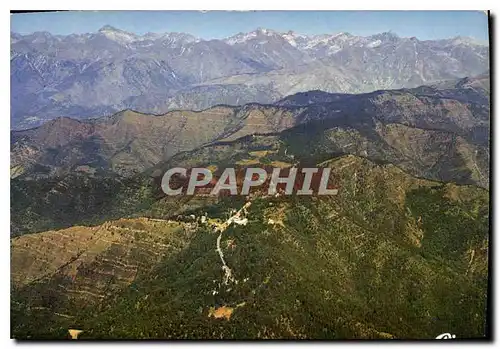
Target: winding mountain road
[(221, 228)]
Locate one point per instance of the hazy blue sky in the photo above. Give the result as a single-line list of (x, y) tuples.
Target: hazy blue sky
[(219, 24)]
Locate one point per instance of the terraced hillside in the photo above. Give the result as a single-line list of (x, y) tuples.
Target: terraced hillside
[(390, 256)]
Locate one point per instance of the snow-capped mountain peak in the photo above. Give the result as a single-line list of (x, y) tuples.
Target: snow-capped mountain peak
[(118, 35), (465, 40), (244, 37), (293, 38)]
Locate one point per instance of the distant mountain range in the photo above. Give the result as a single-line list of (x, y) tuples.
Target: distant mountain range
[(101, 73)]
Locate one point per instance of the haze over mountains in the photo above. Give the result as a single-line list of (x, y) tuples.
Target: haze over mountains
[(128, 142), (101, 73), (436, 132)]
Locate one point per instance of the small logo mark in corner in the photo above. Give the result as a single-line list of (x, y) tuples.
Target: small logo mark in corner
[(446, 336)]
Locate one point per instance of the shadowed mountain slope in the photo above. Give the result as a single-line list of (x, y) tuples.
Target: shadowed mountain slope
[(389, 256), (129, 142)]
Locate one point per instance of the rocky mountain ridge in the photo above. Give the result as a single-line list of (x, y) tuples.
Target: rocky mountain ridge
[(95, 74), (128, 142)]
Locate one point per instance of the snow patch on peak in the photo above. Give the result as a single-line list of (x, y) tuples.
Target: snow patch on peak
[(118, 35), (375, 43), (291, 37), (244, 37), (108, 27), (465, 40), (342, 35), (241, 38), (266, 31)]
